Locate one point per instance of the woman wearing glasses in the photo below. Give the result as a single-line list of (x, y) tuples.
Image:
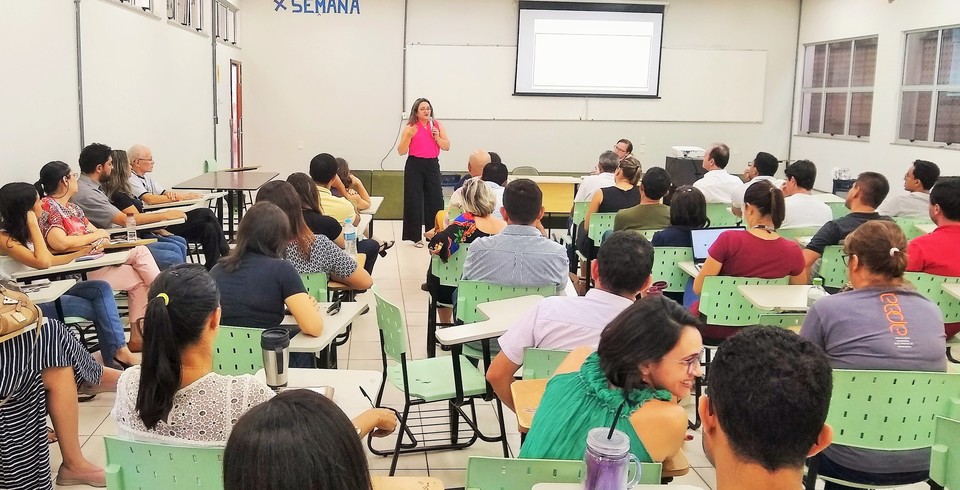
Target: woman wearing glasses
[(422, 138), (648, 356), (880, 324)]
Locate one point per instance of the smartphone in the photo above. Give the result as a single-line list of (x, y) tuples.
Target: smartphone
[(89, 257), (334, 308)]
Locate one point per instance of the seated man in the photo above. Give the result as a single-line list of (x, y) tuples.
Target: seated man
[(323, 171), (96, 165), (763, 167), (606, 166), (475, 164), (866, 194), (763, 444), (623, 149), (519, 255), (495, 175), (802, 209), (650, 214), (621, 271), (937, 252), (717, 185), (202, 226), (918, 181)]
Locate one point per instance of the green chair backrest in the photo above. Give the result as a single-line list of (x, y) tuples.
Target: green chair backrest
[(930, 286), (485, 473), (839, 209), (541, 363), (472, 293), (599, 223), (723, 304), (525, 170), (945, 454), (719, 215), (908, 225), (782, 320), (392, 328), (794, 233), (665, 268), (449, 272), (832, 269), (580, 211), (890, 410), (316, 284), (236, 350), (144, 465), (648, 234)]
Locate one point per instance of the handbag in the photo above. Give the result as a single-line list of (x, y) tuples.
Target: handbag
[(17, 312)]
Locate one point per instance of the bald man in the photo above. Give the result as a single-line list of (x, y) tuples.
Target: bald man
[(475, 164)]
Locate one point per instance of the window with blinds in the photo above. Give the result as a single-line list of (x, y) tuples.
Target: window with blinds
[(225, 24), (837, 92), (930, 93)]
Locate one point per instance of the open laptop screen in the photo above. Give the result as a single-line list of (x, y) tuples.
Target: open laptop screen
[(703, 239)]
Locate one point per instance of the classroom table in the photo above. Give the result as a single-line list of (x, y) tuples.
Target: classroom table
[(558, 191), (501, 314), (333, 326), (27, 273), (148, 226), (190, 204), (688, 267), (375, 203), (235, 183), (346, 385), (364, 225), (952, 289), (49, 292), (777, 297), (926, 227)]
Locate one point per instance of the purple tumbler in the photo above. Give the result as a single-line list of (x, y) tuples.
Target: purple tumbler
[(608, 461)]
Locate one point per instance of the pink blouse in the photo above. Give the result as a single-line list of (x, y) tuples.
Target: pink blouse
[(69, 218), (423, 145)]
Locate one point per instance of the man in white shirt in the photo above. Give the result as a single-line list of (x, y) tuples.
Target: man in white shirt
[(606, 166), (621, 271), (475, 164), (918, 181), (717, 185), (801, 208), (763, 167)]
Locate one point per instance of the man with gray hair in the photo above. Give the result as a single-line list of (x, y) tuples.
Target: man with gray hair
[(606, 166), (201, 226)]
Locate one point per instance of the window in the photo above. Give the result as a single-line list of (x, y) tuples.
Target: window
[(146, 5), (837, 93), (930, 94), (188, 13), (225, 25)]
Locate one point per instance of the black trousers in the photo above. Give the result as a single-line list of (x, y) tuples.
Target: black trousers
[(203, 227), (422, 196)]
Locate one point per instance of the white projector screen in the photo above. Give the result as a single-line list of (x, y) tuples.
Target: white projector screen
[(596, 49)]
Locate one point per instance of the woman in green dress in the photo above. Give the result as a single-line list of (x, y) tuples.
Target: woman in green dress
[(647, 359)]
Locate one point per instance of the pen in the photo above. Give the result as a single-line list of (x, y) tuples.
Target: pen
[(365, 395)]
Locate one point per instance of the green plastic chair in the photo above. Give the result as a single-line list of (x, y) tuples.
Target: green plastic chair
[(316, 285), (794, 233), (908, 225), (472, 293), (236, 350), (720, 215), (448, 273), (666, 268), (541, 363), (137, 465), (945, 453), (648, 234), (783, 320), (437, 379), (485, 473), (579, 211), (599, 223), (887, 411), (723, 305), (832, 269), (931, 287), (839, 209)]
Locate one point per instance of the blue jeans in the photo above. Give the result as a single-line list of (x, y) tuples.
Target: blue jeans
[(166, 254), (179, 241), (93, 300)]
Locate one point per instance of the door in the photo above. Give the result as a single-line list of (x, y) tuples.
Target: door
[(236, 115)]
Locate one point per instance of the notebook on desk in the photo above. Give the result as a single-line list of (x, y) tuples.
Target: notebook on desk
[(703, 239)]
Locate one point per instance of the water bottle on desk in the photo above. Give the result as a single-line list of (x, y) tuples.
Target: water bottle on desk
[(816, 291), (350, 238), (131, 228)]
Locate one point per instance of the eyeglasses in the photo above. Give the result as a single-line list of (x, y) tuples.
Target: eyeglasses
[(71, 175), (692, 362), (616, 148), (144, 160), (846, 258)]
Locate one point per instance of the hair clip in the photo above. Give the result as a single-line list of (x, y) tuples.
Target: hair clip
[(893, 250)]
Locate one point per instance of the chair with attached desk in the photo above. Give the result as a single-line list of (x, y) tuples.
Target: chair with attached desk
[(236, 350), (931, 287), (886, 411), (472, 293), (453, 380), (666, 267), (600, 225), (945, 453), (720, 215), (485, 473), (541, 363), (832, 268), (909, 225), (839, 209), (448, 273), (316, 285), (135, 465), (797, 232)]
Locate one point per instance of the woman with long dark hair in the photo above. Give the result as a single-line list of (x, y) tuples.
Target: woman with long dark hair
[(688, 210), (319, 223), (422, 139)]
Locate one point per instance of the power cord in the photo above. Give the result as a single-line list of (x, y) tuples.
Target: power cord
[(395, 141)]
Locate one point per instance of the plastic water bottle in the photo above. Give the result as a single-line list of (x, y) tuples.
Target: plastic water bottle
[(350, 238), (816, 291), (131, 228)]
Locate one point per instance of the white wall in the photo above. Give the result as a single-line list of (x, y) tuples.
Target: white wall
[(826, 20), (334, 83), (39, 119)]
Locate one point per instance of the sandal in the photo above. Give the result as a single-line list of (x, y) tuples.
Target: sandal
[(419, 244), (384, 247), (51, 436)]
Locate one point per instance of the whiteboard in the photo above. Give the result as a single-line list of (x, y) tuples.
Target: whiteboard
[(697, 85)]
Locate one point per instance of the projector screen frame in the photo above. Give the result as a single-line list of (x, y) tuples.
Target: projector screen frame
[(650, 8)]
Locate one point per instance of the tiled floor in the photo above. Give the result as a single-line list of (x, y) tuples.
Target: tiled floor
[(398, 277)]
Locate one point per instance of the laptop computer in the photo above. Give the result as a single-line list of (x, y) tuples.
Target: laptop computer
[(703, 239)]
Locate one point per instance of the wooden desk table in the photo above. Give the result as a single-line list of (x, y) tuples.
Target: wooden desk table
[(558, 191), (190, 204), (346, 385), (333, 326), (501, 314), (234, 182), (27, 273), (777, 297), (122, 244)]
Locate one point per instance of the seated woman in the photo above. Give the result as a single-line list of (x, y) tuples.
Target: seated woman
[(21, 240), (688, 210), (39, 374), (169, 249), (313, 216), (175, 396), (623, 194), (648, 356), (356, 192), (299, 439), (306, 251), (477, 221), (757, 251), (65, 228), (856, 330)]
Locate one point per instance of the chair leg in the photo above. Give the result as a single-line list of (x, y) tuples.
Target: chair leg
[(432, 329), (400, 433), (454, 415), (503, 430)]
